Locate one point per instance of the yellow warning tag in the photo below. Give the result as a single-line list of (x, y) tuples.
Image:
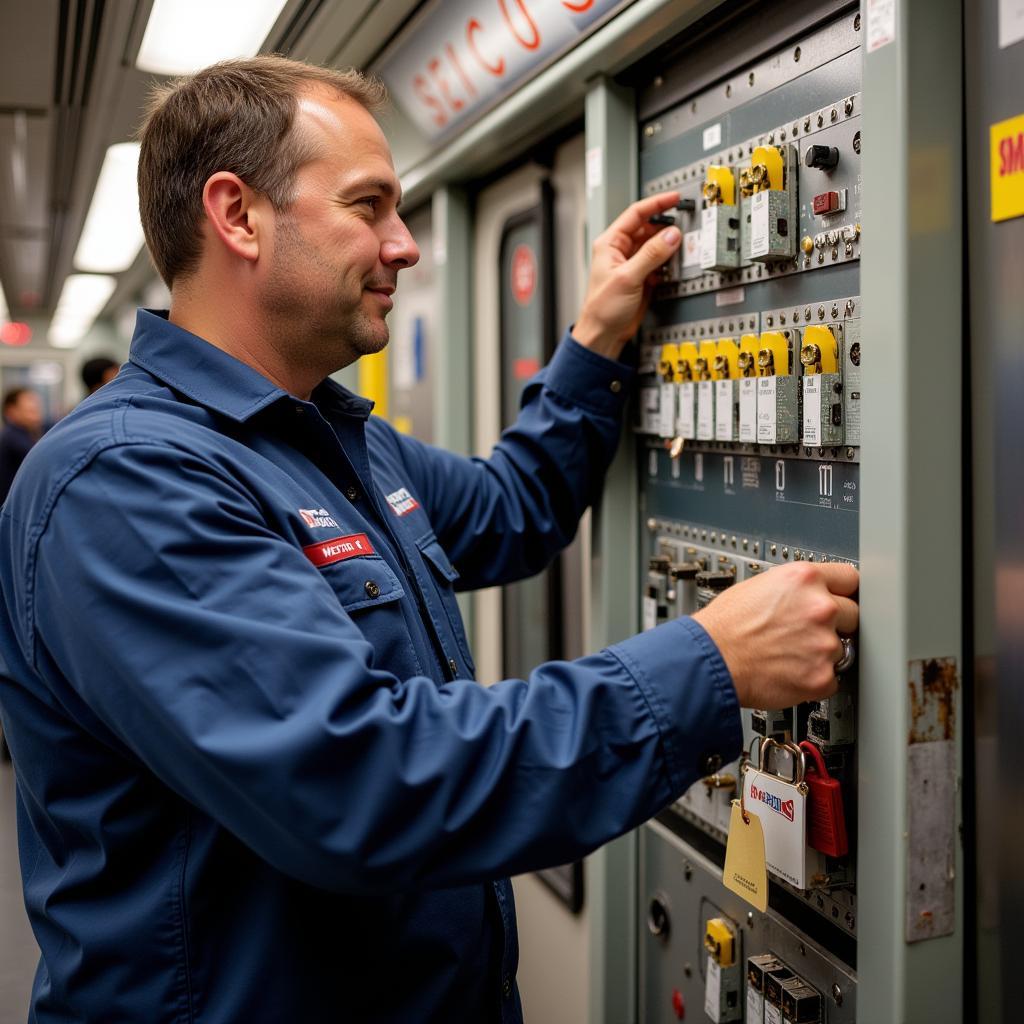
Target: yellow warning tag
[(745, 871), (1007, 160)]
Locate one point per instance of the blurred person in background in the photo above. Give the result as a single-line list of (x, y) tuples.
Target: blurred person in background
[(97, 372), (23, 426)]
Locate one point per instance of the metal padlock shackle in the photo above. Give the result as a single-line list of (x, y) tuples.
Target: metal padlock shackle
[(799, 768)]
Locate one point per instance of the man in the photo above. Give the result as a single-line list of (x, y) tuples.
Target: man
[(23, 426), (279, 795), (96, 372)]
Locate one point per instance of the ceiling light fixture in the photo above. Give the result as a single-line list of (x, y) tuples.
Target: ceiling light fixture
[(185, 35), (4, 312), (112, 236), (80, 302)]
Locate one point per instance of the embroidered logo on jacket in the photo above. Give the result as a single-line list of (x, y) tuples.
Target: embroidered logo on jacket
[(317, 517), (338, 549), (402, 502)]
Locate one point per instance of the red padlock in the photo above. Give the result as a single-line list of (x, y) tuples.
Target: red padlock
[(826, 820)]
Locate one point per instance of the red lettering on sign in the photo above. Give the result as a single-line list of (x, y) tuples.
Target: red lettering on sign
[(523, 369), (422, 88), (1011, 155), (327, 552), (453, 57), (434, 67), (528, 44), (578, 8), (472, 27), (523, 274)]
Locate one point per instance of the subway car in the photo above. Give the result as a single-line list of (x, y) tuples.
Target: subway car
[(848, 175)]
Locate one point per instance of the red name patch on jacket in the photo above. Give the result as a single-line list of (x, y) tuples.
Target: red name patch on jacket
[(327, 552)]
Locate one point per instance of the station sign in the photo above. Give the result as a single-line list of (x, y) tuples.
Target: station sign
[(459, 56)]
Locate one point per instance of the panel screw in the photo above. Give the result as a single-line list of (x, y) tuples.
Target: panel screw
[(750, 919), (821, 312), (821, 120), (834, 116), (856, 23), (856, 142), (728, 90), (835, 310), (750, 78), (652, 525), (796, 54), (807, 312), (687, 870), (848, 106), (837, 992), (835, 255), (807, 124), (659, 82), (849, 453)]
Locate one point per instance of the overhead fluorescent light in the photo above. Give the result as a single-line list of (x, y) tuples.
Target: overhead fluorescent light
[(112, 236), (185, 35), (80, 302), (4, 313)]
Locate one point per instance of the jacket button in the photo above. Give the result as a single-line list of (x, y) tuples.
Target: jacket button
[(615, 386), (372, 590), (506, 988), (710, 763), (454, 669), (351, 493)]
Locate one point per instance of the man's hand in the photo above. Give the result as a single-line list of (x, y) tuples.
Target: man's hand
[(624, 266), (779, 632)]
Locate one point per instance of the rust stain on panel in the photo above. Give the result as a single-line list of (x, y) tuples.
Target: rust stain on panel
[(933, 685)]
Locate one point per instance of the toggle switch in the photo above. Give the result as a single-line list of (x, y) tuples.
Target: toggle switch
[(821, 158)]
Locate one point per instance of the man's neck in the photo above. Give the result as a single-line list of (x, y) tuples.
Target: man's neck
[(229, 326)]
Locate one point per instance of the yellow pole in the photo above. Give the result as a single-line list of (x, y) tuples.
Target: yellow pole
[(373, 381)]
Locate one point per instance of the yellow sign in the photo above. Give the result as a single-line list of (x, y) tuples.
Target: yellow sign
[(1007, 139)]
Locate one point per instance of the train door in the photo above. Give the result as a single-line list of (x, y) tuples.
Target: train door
[(413, 324), (529, 274)]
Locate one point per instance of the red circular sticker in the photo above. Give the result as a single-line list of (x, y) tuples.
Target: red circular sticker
[(524, 274)]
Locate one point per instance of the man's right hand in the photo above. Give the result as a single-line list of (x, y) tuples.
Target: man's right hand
[(779, 632)]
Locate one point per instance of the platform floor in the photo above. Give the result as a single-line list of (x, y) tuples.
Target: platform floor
[(18, 950)]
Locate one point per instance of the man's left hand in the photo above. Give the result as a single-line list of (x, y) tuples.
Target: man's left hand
[(624, 269)]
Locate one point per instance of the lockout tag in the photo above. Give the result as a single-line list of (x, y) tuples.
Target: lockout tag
[(705, 410), (755, 1005), (782, 807), (745, 871), (713, 990), (649, 613)]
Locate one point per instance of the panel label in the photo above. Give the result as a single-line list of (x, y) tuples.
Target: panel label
[(812, 409), (708, 236), (649, 404), (755, 1005), (767, 420), (667, 410), (705, 410), (686, 424), (691, 249), (649, 613), (760, 224), (748, 410), (881, 23), (712, 136), (724, 410), (1011, 22), (1007, 168)]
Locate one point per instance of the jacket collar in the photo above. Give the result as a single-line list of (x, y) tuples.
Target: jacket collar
[(216, 380)]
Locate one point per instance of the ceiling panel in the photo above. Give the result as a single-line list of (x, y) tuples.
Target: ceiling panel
[(28, 32)]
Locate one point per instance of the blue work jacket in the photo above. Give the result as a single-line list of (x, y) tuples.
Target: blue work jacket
[(256, 782)]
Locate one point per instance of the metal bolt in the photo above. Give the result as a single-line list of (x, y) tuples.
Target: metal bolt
[(785, 552), (796, 54), (750, 919), (837, 992), (848, 106), (746, 543), (687, 970), (771, 136), (714, 538), (835, 310), (728, 90), (807, 313), (796, 315), (782, 319), (835, 255), (658, 82), (652, 525), (821, 120), (648, 131), (687, 870), (856, 143), (834, 116), (848, 309), (849, 453), (774, 548), (769, 320), (750, 78), (856, 23), (802, 949), (693, 107), (782, 134), (821, 312), (807, 124), (821, 258)]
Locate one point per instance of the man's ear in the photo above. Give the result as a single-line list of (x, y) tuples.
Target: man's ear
[(231, 210)]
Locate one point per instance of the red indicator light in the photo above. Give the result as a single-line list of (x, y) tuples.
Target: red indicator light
[(678, 1006), (15, 333)]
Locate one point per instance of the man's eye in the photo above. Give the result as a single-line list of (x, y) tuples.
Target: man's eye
[(371, 201)]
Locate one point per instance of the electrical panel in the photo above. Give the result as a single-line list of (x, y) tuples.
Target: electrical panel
[(748, 432)]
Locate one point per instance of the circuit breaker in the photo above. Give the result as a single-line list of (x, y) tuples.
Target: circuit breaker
[(756, 349)]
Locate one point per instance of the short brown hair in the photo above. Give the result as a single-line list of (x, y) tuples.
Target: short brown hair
[(235, 116)]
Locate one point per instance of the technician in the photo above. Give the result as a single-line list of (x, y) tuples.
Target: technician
[(256, 780)]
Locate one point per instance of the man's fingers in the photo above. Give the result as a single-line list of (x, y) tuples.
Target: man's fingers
[(840, 578), (652, 254), (636, 215), (848, 615)]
